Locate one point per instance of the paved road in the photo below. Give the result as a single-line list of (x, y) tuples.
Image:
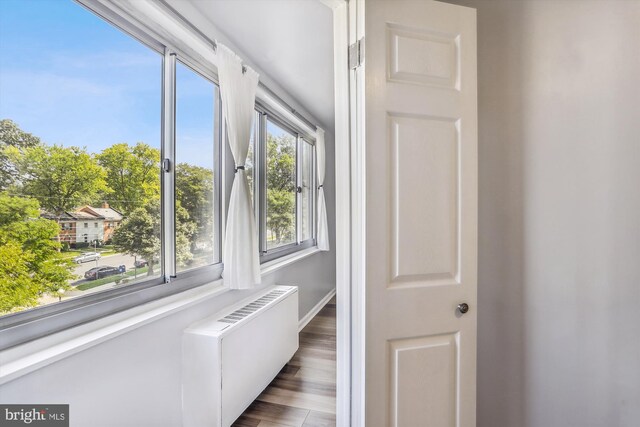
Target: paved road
[(110, 260)]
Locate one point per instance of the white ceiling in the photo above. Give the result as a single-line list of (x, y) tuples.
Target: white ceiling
[(291, 41)]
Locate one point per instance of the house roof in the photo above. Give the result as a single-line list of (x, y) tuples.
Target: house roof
[(73, 216), (64, 216), (107, 213), (85, 213)]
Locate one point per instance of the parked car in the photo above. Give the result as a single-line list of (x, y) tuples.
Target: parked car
[(85, 257), (141, 263), (100, 272)]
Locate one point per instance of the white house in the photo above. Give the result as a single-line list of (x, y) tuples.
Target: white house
[(88, 227)]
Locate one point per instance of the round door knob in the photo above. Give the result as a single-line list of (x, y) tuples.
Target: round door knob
[(463, 308)]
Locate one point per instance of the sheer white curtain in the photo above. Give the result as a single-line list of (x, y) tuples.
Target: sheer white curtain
[(238, 91), (323, 229)]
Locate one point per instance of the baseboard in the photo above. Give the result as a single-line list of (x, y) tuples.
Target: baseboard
[(315, 310)]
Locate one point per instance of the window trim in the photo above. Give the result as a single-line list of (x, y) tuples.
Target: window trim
[(19, 328)]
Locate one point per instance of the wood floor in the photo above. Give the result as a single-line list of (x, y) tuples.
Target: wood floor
[(304, 392)]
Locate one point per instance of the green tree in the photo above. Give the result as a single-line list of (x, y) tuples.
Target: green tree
[(194, 191), (60, 178), (281, 186), (13, 142), (133, 175), (185, 231), (30, 263), (139, 235), (17, 289)]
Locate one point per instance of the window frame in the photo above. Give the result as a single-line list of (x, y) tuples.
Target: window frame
[(37, 322), (205, 274), (264, 116), (313, 193), (21, 327), (218, 165)]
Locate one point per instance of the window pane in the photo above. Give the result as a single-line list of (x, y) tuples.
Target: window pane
[(195, 218), (306, 158), (281, 187), (79, 150)]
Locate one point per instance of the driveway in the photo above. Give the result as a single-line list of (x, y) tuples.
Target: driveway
[(111, 260)]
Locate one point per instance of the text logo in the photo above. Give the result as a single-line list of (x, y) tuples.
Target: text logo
[(34, 415)]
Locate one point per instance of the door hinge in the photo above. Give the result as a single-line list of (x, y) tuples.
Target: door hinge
[(356, 54)]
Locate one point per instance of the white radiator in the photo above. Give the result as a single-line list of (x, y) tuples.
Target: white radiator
[(230, 358)]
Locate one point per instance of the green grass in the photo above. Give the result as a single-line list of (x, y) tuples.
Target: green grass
[(70, 254), (94, 283), (105, 252)]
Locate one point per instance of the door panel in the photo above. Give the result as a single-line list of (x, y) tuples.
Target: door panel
[(423, 381), (420, 56), (420, 148), (424, 219)]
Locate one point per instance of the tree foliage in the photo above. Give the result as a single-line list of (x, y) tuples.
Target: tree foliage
[(132, 175), (281, 186), (60, 178), (139, 235), (30, 264), (13, 142), (194, 191), (185, 231)]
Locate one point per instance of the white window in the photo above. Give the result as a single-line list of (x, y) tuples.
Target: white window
[(196, 167), (280, 168), (98, 93), (138, 120)]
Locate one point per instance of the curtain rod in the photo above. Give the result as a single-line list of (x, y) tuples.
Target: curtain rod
[(287, 106), (214, 45)]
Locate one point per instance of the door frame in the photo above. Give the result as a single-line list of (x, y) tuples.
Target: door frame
[(348, 20), (351, 191)]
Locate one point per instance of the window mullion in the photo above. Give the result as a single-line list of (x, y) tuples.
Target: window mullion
[(218, 172), (168, 165), (261, 143), (257, 170), (313, 191), (299, 192)]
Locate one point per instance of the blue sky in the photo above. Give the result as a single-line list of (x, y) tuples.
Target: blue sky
[(70, 78)]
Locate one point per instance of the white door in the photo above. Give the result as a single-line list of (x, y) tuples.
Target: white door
[(418, 130)]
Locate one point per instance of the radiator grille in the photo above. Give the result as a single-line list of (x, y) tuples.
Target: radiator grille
[(252, 307)]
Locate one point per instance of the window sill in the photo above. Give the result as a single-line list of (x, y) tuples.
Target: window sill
[(23, 359), (278, 263), (26, 358)]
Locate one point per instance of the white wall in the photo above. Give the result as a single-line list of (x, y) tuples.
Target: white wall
[(134, 379), (559, 214)]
